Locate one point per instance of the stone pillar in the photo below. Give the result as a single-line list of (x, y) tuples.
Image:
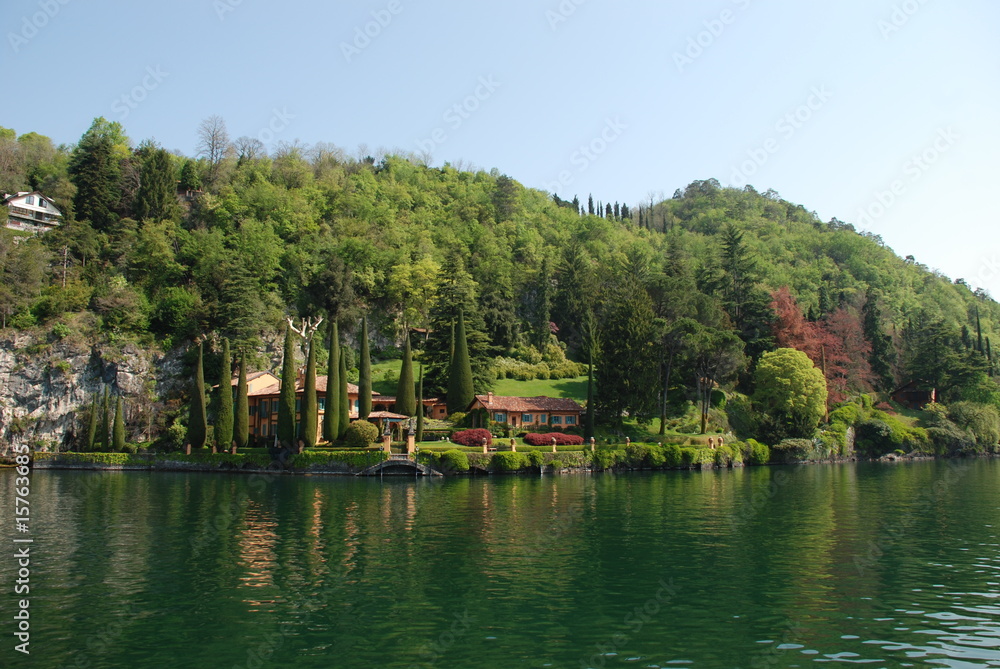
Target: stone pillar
[(593, 443), (187, 449), (553, 444), (387, 443), (411, 444), (486, 446), (513, 446)]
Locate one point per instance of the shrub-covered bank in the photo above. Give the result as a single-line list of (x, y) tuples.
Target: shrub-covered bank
[(253, 460)]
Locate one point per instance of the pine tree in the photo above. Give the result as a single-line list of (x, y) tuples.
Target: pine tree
[(331, 416), (310, 406), (198, 418), (365, 374), (343, 398), (92, 424), (223, 433), (406, 403), (590, 205), (286, 398), (979, 333), (543, 314), (883, 353), (118, 438), (241, 427), (460, 388), (157, 196), (104, 436), (589, 418), (420, 407)]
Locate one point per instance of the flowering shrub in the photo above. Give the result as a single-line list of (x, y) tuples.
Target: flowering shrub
[(472, 438), (536, 439)]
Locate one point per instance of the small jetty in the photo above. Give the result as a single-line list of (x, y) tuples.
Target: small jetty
[(400, 465)]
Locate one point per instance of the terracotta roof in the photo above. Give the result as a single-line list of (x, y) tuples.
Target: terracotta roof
[(275, 388), (250, 377), (529, 404)]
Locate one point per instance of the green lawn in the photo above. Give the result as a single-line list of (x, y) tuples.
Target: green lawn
[(573, 388), (385, 376)]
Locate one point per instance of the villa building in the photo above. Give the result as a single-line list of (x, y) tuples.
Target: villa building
[(31, 212), (530, 412)]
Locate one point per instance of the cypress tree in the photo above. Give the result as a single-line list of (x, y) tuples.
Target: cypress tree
[(331, 417), (286, 398), (588, 421), (104, 436), (460, 389), (343, 399), (198, 418), (979, 333), (365, 373), (420, 407), (310, 407), (241, 427), (406, 403), (224, 419), (92, 425), (118, 440)]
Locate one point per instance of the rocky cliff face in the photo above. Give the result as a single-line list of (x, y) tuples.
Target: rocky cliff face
[(44, 385)]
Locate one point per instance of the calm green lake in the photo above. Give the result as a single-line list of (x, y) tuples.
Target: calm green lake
[(881, 565)]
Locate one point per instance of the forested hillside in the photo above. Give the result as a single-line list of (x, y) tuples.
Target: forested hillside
[(160, 250)]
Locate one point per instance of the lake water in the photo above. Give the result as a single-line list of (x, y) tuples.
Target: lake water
[(880, 565)]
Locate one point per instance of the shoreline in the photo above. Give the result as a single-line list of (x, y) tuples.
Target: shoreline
[(182, 463)]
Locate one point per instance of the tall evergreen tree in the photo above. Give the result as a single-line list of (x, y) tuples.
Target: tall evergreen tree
[(92, 424), (460, 388), (104, 436), (157, 197), (331, 415), (95, 169), (457, 292), (343, 398), (979, 333), (883, 353), (589, 419), (364, 374), (241, 427), (310, 405), (198, 418), (543, 310), (223, 433), (118, 432), (286, 397), (590, 205), (420, 407), (406, 403)]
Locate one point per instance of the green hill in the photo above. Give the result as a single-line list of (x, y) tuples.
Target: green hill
[(254, 238)]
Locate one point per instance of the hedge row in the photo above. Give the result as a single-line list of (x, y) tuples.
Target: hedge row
[(472, 438), (561, 439)]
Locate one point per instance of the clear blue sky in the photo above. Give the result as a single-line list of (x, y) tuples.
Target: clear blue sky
[(888, 81)]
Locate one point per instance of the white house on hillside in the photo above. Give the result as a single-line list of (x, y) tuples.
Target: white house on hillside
[(31, 212)]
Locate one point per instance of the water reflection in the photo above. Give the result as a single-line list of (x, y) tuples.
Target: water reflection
[(870, 564)]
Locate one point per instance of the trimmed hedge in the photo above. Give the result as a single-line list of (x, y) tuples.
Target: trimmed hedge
[(361, 434), (472, 438), (536, 439), (508, 462), (353, 459), (454, 461)]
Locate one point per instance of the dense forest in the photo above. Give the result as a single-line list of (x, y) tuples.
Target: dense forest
[(670, 300)]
